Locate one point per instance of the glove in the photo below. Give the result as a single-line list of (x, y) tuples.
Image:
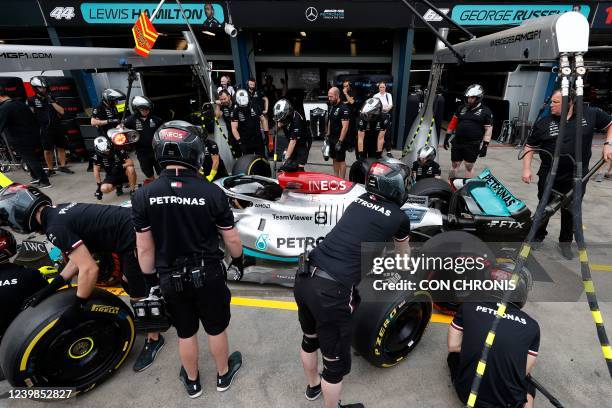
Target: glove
[(238, 263), (446, 141), (360, 156), (50, 99), (98, 193), (483, 149), (212, 175), (338, 146), (44, 293), (73, 315), (113, 121)]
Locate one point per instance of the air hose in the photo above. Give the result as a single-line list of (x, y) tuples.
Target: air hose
[(585, 268), (565, 71)]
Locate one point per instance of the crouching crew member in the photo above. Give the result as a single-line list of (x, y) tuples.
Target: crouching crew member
[(178, 219), (472, 127), (146, 124), (371, 129), (117, 165), (80, 230), (425, 165), (292, 122), (213, 166), (325, 288), (247, 122)]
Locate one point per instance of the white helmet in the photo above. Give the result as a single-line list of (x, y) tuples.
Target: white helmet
[(371, 109), (242, 98), (426, 153), (141, 102), (475, 90), (102, 145)]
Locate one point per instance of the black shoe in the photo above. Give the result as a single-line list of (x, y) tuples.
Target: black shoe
[(565, 248), (234, 363), (389, 155), (119, 191), (355, 405), (194, 388), (34, 181), (43, 184), (148, 353), (65, 169), (312, 393), (50, 173)]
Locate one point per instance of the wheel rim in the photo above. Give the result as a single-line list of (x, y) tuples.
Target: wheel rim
[(406, 330), (260, 167)]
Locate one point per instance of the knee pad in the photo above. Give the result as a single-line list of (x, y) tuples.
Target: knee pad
[(335, 370), (310, 344)]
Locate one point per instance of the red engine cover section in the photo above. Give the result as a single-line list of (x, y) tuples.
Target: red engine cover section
[(313, 183)]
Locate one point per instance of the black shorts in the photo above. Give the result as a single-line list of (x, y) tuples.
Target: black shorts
[(137, 282), (53, 136), (253, 147), (116, 178), (300, 154), (467, 152), (209, 304), (148, 164), (325, 308), (339, 156)]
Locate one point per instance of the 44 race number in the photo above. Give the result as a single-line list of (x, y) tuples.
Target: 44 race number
[(59, 13)]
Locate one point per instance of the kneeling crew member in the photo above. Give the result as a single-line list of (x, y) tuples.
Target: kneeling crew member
[(371, 129), (213, 166), (511, 359), (117, 165), (472, 127), (292, 122), (425, 165), (80, 230), (178, 218), (247, 122), (325, 290), (146, 124)]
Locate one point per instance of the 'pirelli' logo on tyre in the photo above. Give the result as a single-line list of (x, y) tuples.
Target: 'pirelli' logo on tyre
[(105, 309)]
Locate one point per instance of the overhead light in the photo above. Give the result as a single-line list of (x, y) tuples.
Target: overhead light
[(348, 34), (209, 33), (1, 41), (303, 33)]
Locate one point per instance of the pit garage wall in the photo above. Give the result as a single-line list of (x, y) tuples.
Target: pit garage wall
[(528, 87)]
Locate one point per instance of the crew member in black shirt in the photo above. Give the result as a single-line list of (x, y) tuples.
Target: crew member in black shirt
[(117, 166), (48, 113), (292, 123), (224, 107), (80, 230), (260, 101), (213, 166), (22, 133), (510, 360), (544, 137), (425, 166), (337, 130), (472, 127), (371, 130), (325, 288), (247, 122), (106, 116), (143, 121), (178, 220)]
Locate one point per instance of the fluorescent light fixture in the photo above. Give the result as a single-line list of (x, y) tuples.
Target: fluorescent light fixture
[(348, 34), (303, 33), (209, 33)]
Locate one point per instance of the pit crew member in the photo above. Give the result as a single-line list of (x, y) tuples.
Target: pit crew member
[(117, 165), (371, 129), (425, 165), (300, 141), (247, 122), (143, 121), (338, 116)]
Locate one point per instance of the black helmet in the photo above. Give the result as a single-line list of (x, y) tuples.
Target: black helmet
[(18, 205), (111, 96), (8, 245), (141, 102), (371, 109), (475, 90), (426, 153), (179, 142), (103, 145), (283, 111), (39, 82), (242, 98), (390, 179), (522, 286)]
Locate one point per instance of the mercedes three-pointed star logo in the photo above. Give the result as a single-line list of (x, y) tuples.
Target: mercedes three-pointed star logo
[(311, 14)]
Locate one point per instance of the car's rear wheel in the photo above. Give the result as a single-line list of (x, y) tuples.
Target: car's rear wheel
[(252, 164), (438, 191), (36, 352)]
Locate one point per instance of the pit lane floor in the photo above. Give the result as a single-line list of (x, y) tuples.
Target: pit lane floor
[(570, 363)]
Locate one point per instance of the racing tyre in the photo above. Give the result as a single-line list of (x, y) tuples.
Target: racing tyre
[(36, 353), (359, 170), (438, 191), (252, 164), (385, 331)]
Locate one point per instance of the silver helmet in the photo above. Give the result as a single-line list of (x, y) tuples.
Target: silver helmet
[(282, 111), (371, 109), (426, 153), (475, 90), (242, 98), (39, 82), (141, 102), (102, 145), (112, 95)]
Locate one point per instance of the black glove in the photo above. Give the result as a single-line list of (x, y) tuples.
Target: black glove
[(446, 140), (50, 99), (73, 315), (483, 149), (339, 146), (239, 264), (98, 193), (44, 293), (113, 121), (360, 156)]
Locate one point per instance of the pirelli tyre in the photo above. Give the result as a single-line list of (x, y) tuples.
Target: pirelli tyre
[(437, 190), (35, 352), (359, 169), (389, 326), (252, 164)]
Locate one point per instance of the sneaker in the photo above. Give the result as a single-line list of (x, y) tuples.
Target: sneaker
[(43, 184), (119, 191), (34, 181), (148, 353), (65, 169), (234, 362), (312, 393), (194, 388), (565, 248), (389, 155), (355, 405)]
